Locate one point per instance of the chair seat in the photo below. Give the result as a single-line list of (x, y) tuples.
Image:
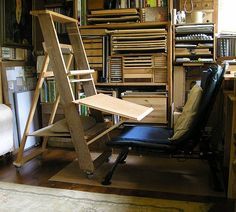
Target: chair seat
[(144, 136)]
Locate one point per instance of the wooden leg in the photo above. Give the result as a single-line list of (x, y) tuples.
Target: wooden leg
[(19, 159), (55, 105), (232, 161), (51, 119)]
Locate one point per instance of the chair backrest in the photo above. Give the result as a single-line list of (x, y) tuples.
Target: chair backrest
[(211, 81)]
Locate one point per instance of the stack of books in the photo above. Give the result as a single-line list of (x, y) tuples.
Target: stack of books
[(113, 16)]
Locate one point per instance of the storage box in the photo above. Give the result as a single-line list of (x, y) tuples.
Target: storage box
[(157, 100)]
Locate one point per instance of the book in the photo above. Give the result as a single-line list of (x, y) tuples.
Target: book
[(51, 90), (151, 3)]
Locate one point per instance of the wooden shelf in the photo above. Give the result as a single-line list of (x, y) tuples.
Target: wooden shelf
[(200, 63), (229, 77), (195, 32), (190, 24), (130, 84), (220, 59), (115, 106), (195, 47), (125, 25), (190, 41)]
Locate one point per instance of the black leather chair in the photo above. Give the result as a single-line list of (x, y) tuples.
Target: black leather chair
[(145, 138)]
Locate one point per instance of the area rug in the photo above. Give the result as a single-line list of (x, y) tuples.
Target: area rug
[(190, 177), (17, 198)]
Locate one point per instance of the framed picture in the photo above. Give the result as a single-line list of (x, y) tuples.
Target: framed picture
[(16, 23)]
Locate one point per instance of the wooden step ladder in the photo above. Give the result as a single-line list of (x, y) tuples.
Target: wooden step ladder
[(96, 102), (20, 160)]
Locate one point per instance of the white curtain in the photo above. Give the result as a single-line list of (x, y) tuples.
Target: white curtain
[(227, 16)]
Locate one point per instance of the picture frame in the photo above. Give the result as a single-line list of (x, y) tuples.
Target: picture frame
[(16, 23)]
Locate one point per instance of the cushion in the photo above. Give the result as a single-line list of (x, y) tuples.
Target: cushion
[(190, 109), (62, 127)]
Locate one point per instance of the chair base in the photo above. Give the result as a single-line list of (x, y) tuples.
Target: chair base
[(120, 159)]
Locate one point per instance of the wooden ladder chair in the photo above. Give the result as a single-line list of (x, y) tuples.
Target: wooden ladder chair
[(96, 102)]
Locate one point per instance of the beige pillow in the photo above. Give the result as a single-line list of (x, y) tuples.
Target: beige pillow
[(62, 127), (189, 111)]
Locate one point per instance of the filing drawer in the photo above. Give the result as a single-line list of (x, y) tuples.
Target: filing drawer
[(150, 99)]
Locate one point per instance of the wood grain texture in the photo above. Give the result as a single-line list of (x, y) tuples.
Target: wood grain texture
[(116, 106)]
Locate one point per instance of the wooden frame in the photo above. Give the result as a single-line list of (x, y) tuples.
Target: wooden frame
[(16, 23)]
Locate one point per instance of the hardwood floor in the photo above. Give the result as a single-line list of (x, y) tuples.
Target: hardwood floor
[(38, 171)]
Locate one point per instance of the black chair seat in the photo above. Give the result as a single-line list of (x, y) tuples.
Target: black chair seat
[(144, 136)]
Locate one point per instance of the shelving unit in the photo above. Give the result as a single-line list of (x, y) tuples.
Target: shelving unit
[(194, 44), (193, 49), (131, 66), (136, 47), (226, 47)]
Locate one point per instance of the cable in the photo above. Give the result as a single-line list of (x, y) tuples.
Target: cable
[(185, 8)]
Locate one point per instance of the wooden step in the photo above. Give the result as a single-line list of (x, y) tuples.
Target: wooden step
[(81, 72), (115, 106), (81, 80), (65, 48), (55, 16), (70, 73), (88, 134)]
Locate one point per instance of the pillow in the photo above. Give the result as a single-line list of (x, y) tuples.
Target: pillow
[(190, 109), (62, 127)]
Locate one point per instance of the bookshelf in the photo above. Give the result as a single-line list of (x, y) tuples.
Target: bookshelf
[(194, 44), (193, 50), (129, 47), (226, 47)]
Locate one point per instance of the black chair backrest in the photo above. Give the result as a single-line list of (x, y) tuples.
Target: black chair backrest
[(211, 81)]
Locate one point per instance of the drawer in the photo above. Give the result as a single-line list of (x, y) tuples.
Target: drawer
[(93, 52), (95, 59), (207, 5), (93, 45), (196, 6), (157, 101)]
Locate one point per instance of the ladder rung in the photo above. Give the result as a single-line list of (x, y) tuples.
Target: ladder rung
[(81, 80), (65, 48), (48, 74), (71, 73), (55, 16), (81, 72)]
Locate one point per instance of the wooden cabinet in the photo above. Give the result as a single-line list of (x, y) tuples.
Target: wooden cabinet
[(134, 56), (156, 100), (136, 53)]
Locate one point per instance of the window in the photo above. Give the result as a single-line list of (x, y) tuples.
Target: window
[(227, 16)]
